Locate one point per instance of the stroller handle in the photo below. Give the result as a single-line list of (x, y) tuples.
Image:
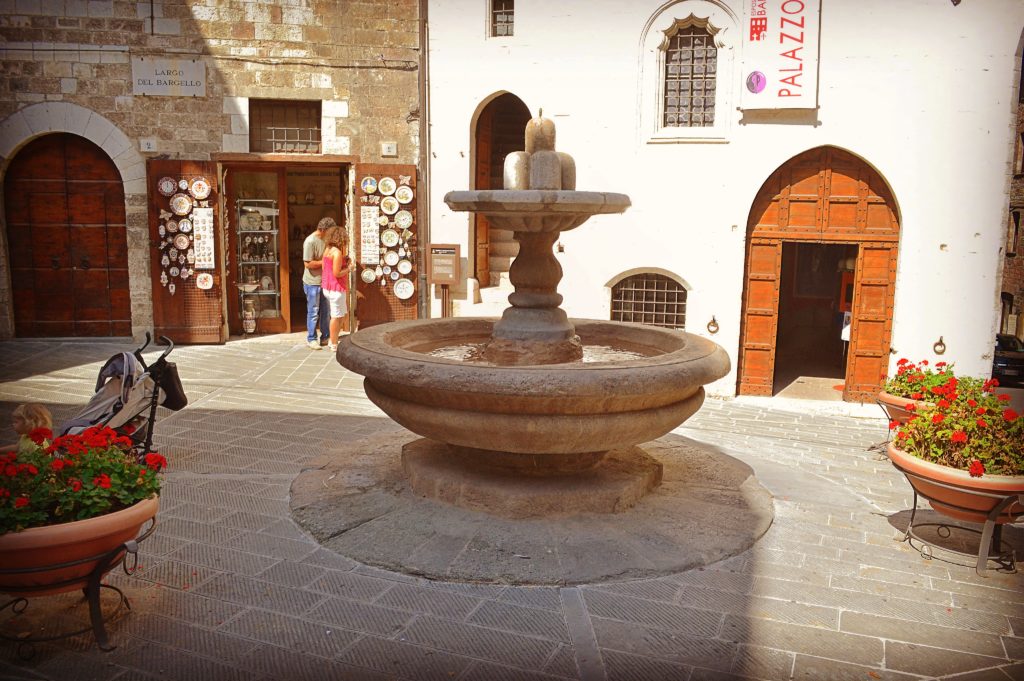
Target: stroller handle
[(164, 340)]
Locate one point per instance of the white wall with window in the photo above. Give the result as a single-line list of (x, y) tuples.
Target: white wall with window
[(884, 94)]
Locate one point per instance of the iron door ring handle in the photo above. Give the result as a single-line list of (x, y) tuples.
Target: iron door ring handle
[(55, 263), (85, 264)]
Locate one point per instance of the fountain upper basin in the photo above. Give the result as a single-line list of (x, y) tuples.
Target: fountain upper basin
[(535, 210), (568, 408)]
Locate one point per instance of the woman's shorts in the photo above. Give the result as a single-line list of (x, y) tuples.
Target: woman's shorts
[(338, 301)]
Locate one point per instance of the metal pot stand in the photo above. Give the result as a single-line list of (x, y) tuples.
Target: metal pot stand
[(991, 546), (107, 561)]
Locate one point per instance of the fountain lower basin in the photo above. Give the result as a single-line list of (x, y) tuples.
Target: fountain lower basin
[(558, 418)]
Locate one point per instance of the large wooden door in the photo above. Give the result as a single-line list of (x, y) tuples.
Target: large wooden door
[(188, 314), (482, 180), (871, 324), (67, 235), (825, 195), (760, 316)]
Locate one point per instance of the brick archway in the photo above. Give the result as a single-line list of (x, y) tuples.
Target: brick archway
[(822, 196), (31, 122)]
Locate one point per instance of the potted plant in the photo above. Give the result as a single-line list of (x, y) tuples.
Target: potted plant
[(67, 504), (965, 453), (915, 384)]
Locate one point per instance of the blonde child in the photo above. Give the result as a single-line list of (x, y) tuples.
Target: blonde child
[(28, 417)]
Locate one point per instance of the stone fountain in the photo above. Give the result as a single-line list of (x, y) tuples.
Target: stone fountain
[(525, 428)]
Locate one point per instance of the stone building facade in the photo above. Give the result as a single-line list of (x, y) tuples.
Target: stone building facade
[(865, 225), (66, 66)]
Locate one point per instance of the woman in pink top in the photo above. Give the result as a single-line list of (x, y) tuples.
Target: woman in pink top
[(336, 268)]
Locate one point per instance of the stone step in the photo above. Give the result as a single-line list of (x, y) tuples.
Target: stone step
[(499, 263), (505, 248)]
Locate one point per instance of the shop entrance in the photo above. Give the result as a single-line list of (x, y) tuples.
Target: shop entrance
[(817, 209), (272, 208), (815, 299), (65, 214)]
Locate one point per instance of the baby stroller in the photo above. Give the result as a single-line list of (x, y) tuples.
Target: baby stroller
[(127, 394)]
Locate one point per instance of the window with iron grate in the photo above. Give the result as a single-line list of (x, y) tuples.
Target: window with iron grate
[(286, 126), (502, 17), (649, 298), (691, 73)]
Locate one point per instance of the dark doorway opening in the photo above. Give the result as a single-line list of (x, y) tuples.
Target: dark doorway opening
[(815, 300)]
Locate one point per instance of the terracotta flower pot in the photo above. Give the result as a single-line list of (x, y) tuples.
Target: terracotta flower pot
[(40, 547), (896, 406), (959, 495)]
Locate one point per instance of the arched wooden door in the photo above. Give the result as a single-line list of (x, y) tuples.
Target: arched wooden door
[(824, 195), (66, 231), (500, 130)]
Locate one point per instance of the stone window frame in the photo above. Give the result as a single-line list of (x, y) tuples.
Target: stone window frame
[(722, 25), (1013, 231)]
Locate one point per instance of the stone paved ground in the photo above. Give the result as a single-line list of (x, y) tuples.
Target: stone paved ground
[(231, 588)]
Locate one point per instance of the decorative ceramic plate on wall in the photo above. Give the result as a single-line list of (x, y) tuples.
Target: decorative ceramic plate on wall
[(167, 186), (367, 275), (204, 281), (386, 186), (404, 289), (404, 266), (403, 219), (185, 225), (199, 188), (389, 205), (368, 185), (181, 242), (181, 204), (403, 194), (389, 238), (391, 258)]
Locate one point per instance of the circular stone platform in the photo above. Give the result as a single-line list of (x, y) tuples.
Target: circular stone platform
[(357, 501)]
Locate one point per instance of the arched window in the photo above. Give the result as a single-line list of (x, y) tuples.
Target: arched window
[(691, 72), (649, 298)]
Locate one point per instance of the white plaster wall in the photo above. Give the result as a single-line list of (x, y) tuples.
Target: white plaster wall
[(920, 89)]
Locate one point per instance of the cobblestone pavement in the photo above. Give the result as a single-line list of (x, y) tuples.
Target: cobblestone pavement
[(231, 588)]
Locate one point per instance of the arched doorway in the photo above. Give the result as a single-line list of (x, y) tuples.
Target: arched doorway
[(824, 227), (65, 211), (500, 130)]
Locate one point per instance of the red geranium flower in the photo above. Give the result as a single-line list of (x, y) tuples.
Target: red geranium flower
[(1003, 398), (916, 396), (981, 423), (101, 480), (57, 464), (75, 484), (958, 436), (21, 502), (39, 434), (977, 469), (938, 418), (1010, 415), (155, 461)]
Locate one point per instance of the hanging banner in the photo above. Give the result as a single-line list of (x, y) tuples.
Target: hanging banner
[(780, 54)]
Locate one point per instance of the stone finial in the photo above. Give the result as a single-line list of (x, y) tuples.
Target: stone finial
[(540, 166)]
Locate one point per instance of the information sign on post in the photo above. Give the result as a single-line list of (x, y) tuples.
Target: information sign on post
[(443, 269), (443, 263)]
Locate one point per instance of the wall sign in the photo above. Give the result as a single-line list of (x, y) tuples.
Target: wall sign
[(168, 77), (780, 54), (443, 263)]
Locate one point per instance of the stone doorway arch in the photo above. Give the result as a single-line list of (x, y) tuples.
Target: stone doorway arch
[(831, 197)]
